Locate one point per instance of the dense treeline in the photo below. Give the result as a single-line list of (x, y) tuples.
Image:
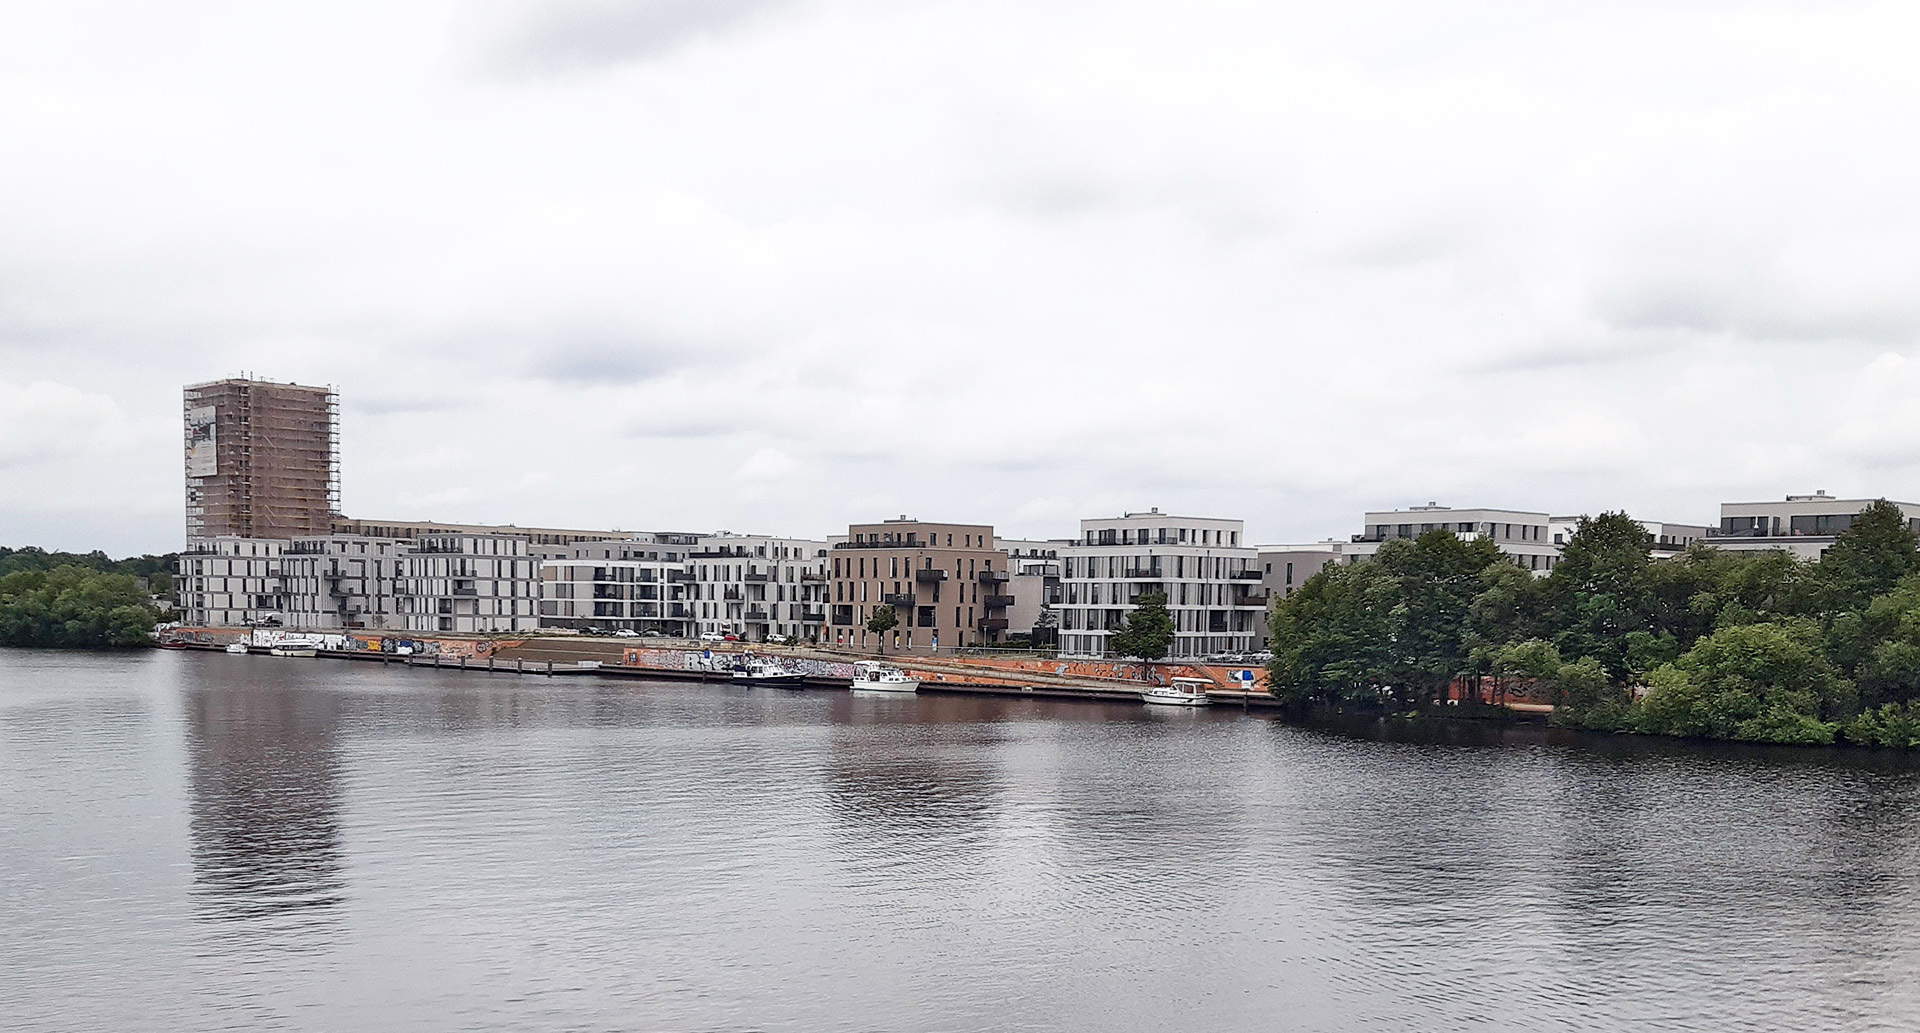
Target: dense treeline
[(1754, 646), (67, 600)]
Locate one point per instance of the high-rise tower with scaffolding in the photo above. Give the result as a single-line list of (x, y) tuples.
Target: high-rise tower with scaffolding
[(263, 459)]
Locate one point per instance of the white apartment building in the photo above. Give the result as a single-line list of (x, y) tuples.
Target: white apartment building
[(635, 584), (1804, 525), (1202, 565), (754, 586), (229, 580), (1524, 535), (341, 582), (469, 583)]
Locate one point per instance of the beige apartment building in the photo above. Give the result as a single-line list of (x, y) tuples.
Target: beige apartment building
[(946, 582)]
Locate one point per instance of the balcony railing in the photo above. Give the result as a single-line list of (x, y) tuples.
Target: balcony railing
[(897, 601), (751, 579), (993, 576), (731, 594), (928, 575), (1245, 575), (813, 616), (757, 616), (993, 624), (998, 600)]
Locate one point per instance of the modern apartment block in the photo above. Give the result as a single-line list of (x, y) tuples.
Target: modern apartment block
[(262, 459), (1202, 565), (755, 586), (1035, 586), (1524, 535), (469, 583), (1805, 525), (947, 584), (230, 580), (340, 582), (632, 584)]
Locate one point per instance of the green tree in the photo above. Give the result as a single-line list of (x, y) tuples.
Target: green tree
[(1600, 589), (1867, 559), (883, 620), (1330, 637), (73, 607), (1758, 682), (1434, 579), (1147, 633)]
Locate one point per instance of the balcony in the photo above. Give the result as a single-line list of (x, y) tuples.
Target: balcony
[(808, 578), (467, 592), (897, 601), (1245, 575), (1001, 601), (929, 576), (1155, 573), (679, 611), (994, 577), (757, 616), (813, 616), (732, 595), (1250, 599), (993, 624), (674, 576), (754, 579)]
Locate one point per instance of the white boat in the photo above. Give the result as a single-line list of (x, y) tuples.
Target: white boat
[(294, 645), (874, 676), (1184, 692), (760, 670), (237, 648)]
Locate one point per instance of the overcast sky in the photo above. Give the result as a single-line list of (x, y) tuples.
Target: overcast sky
[(778, 265)]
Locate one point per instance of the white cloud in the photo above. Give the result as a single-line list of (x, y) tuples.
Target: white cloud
[(991, 261)]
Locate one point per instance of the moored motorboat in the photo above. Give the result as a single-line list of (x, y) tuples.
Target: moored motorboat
[(1184, 692), (237, 648), (295, 645), (760, 670), (874, 676)]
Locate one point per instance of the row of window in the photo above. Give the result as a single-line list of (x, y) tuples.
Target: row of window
[(1162, 536)]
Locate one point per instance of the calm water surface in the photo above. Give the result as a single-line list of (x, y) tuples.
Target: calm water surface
[(203, 841)]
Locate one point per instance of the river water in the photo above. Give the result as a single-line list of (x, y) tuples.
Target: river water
[(202, 841)]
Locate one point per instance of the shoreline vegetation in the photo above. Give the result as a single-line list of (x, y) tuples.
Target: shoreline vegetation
[(1743, 646), (63, 600)]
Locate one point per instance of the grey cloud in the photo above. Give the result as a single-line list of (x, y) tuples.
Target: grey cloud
[(545, 36), (1752, 304), (1549, 358), (603, 358)]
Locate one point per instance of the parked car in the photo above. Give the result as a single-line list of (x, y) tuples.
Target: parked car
[(650, 633), (626, 633), (780, 639), (731, 637), (713, 636)]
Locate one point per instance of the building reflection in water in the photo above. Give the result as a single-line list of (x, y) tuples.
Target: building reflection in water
[(265, 800)]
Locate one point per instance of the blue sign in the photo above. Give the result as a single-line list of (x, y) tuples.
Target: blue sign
[(706, 654), (1246, 676)]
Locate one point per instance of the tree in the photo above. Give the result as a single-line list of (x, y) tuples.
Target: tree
[(1330, 637), (1147, 633), (1435, 579), (1600, 590), (1867, 559), (882, 621), (1757, 682), (73, 607)]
